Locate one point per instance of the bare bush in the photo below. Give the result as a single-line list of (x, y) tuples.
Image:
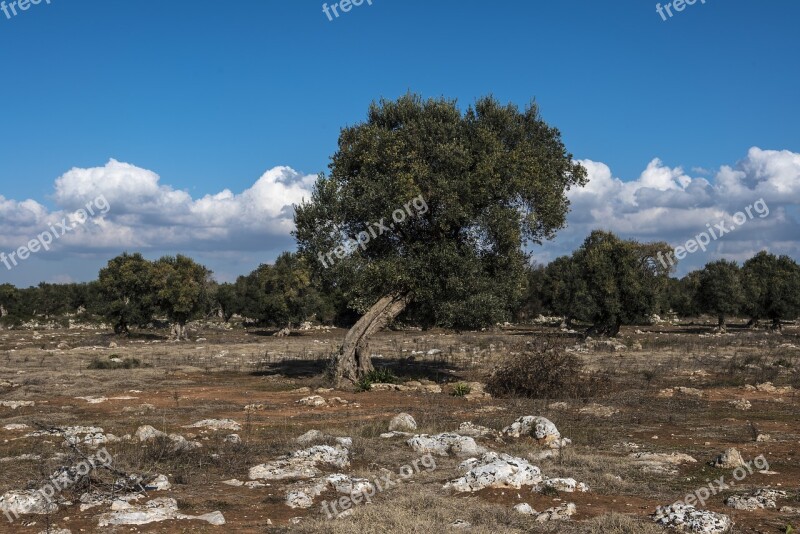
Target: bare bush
[(543, 371)]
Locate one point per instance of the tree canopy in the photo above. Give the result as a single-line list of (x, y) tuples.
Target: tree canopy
[(475, 186)]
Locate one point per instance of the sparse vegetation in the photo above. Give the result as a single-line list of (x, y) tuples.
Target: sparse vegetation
[(115, 363), (543, 371), (461, 390)]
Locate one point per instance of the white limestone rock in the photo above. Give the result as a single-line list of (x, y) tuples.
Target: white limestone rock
[(445, 444), (540, 428), (156, 510), (217, 424), (402, 422), (756, 500), (301, 464), (686, 518), (495, 470)]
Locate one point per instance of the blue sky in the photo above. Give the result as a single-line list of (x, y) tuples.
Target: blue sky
[(211, 96)]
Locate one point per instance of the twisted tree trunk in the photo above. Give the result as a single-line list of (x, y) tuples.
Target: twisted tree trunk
[(353, 360), (179, 331)]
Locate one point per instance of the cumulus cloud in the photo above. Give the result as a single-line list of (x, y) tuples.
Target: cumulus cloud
[(146, 214), (664, 203), (667, 204)]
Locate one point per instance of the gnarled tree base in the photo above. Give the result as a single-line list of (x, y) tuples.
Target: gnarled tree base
[(610, 329), (353, 360)]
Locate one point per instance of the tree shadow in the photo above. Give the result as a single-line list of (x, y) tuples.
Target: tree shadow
[(299, 368)]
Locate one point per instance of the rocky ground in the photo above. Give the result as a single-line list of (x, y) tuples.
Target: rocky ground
[(237, 431)]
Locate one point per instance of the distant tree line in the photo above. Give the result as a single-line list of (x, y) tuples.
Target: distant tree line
[(608, 282), (132, 291)]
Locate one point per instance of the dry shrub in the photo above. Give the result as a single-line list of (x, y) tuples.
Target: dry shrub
[(543, 370)]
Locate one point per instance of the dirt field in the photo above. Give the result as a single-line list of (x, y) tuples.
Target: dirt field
[(256, 380)]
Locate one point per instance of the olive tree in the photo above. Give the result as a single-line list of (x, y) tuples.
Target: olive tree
[(623, 279), (430, 207), (126, 291), (772, 288), (720, 290), (181, 288)]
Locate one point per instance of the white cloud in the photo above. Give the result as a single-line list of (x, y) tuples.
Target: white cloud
[(146, 214), (233, 229), (666, 204)]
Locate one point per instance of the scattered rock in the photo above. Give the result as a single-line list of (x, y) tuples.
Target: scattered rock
[(763, 437), (567, 485), (741, 404), (730, 459), (93, 400), (147, 433), (217, 424), (691, 392), (16, 404), (303, 494), (311, 436), (759, 499), (91, 436), (26, 502), (525, 508), (380, 386), (768, 387), (495, 470), (444, 444), (540, 428), (316, 400), (627, 446), (598, 410), (685, 518), (557, 513), (233, 438), (301, 464), (402, 422), (389, 435), (468, 428), (160, 509), (605, 344), (22, 458)]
